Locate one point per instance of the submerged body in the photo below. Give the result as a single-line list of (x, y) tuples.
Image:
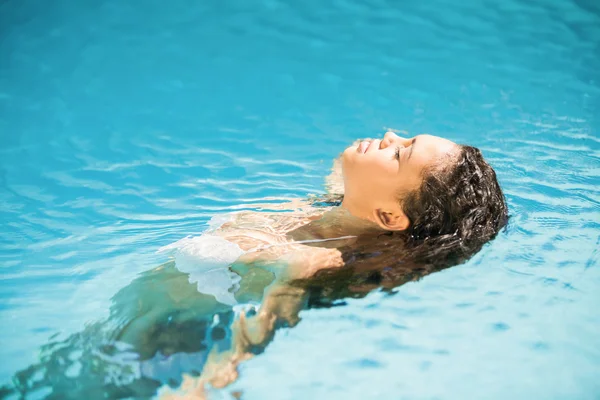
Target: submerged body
[(280, 248), (165, 323), (396, 210), (441, 200)]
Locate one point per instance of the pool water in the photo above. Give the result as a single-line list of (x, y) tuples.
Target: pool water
[(125, 127)]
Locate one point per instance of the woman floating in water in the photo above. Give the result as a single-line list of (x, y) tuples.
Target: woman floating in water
[(397, 210), (409, 207)]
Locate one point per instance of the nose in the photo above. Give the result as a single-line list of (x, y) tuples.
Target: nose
[(391, 138)]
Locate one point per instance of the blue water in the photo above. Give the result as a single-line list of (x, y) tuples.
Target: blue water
[(125, 127)]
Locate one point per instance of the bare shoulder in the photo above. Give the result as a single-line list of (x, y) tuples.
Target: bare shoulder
[(305, 262), (268, 225), (263, 236)]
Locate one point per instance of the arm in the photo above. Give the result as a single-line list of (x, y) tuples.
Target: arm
[(281, 305)]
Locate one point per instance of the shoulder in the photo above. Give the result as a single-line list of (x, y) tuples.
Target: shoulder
[(295, 261), (262, 235), (265, 226), (305, 262)]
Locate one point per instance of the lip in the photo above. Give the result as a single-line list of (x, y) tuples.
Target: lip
[(364, 146)]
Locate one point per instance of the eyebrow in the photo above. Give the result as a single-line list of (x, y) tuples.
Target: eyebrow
[(412, 146)]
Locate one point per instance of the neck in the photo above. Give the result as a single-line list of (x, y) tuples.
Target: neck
[(354, 208)]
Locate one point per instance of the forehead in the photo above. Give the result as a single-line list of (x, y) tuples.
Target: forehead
[(429, 148)]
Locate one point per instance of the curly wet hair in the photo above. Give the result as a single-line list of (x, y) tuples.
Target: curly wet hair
[(457, 209)]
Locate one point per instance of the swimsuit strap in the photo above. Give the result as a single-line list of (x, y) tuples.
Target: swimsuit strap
[(302, 242)]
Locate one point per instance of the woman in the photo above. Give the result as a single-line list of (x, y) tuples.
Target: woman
[(409, 207), (397, 209)]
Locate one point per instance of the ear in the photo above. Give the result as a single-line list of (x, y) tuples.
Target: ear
[(392, 221)]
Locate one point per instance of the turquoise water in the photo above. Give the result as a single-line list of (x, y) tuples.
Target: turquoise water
[(124, 128)]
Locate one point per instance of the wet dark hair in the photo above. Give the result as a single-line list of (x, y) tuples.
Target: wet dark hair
[(458, 207)]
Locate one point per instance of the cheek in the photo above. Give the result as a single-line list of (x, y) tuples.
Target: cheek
[(378, 186), (365, 176)]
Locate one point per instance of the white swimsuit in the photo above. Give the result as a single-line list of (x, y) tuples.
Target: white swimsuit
[(206, 259)]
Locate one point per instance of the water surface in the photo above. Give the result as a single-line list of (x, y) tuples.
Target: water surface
[(124, 128)]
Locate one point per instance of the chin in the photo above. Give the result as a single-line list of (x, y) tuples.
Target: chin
[(346, 162), (346, 157), (348, 153)]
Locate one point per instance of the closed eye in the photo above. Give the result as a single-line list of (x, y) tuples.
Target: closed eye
[(412, 147), (399, 148)]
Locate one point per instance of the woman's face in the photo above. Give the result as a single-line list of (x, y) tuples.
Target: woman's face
[(376, 172)]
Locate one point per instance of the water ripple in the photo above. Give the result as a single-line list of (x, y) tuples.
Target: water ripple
[(125, 128)]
